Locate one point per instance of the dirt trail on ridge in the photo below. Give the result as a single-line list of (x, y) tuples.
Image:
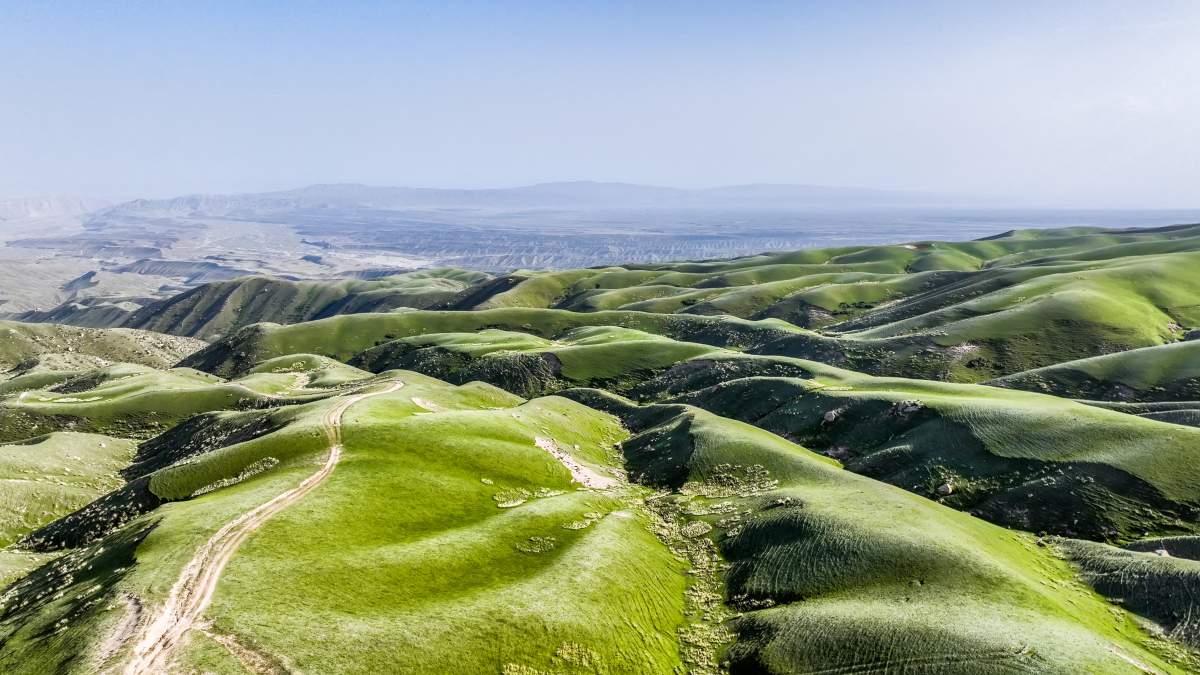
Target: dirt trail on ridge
[(198, 580)]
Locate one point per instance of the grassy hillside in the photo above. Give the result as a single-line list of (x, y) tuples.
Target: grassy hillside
[(833, 572), (47, 477), (1029, 461), (962, 311), (1011, 315), (804, 478), (447, 516), (454, 523), (345, 337), (603, 356), (1024, 460), (23, 346), (133, 401), (219, 308), (955, 311), (1163, 373)]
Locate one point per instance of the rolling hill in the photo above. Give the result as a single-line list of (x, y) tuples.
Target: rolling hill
[(937, 458), (954, 311)]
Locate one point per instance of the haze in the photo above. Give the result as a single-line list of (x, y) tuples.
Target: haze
[(1067, 103)]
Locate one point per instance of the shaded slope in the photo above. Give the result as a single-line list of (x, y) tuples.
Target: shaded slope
[(219, 308), (344, 337), (1023, 460), (1163, 373), (834, 572), (611, 358)]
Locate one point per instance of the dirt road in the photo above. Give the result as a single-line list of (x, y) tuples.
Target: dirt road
[(194, 589)]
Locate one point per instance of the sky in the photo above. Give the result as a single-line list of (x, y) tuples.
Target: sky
[(1085, 103)]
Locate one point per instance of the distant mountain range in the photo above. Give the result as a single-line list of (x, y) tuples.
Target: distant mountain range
[(578, 194), (52, 205)]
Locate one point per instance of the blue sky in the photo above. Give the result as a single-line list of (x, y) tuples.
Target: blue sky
[(1073, 102)]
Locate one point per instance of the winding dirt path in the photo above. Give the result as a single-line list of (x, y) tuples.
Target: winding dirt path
[(198, 580)]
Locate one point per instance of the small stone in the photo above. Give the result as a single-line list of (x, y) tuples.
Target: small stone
[(945, 489), (831, 416)]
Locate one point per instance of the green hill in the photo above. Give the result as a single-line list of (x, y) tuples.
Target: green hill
[(833, 572), (345, 337), (25, 346), (771, 465), (954, 311), (1024, 460), (447, 515), (962, 312), (1163, 373), (138, 402), (215, 309)]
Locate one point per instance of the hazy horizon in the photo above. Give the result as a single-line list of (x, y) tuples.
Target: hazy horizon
[(1083, 104)]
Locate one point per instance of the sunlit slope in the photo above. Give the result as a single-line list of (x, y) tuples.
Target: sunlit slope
[(1020, 459), (759, 282), (21, 345), (833, 572), (219, 308), (604, 356), (45, 478), (443, 516), (345, 337), (448, 515), (963, 311), (1163, 373), (133, 401), (1001, 322), (1024, 460)]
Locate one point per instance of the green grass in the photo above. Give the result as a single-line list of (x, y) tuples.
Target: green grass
[(24, 344), (942, 323), (47, 477), (219, 308), (835, 572), (406, 532), (527, 365), (447, 540), (1021, 459), (133, 401), (1164, 373), (1159, 588), (345, 337)]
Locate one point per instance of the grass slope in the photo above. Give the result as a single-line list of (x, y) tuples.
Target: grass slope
[(345, 337), (527, 365), (833, 572), (1163, 373), (220, 308), (453, 524), (1024, 460), (23, 343), (966, 311), (133, 401)]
